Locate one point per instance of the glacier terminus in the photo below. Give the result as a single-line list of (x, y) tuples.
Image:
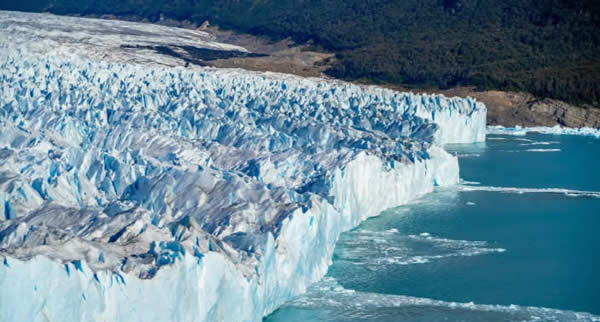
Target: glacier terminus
[(131, 190)]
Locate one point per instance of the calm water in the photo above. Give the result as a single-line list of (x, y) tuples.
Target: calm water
[(486, 254)]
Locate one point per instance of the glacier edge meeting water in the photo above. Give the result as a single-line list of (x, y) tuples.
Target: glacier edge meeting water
[(514, 241), (153, 194)]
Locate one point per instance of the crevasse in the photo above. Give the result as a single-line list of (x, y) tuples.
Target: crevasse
[(160, 194)]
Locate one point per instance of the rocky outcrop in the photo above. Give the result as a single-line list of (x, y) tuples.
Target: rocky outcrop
[(565, 114), (518, 108)]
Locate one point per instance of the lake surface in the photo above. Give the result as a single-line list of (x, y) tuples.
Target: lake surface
[(517, 241)]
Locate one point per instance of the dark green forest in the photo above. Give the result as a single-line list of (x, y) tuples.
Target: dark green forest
[(550, 48)]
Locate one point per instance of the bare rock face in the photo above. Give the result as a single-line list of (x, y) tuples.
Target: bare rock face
[(545, 112), (566, 114), (518, 108)]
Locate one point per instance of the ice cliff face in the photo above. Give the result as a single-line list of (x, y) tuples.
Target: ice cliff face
[(154, 194)]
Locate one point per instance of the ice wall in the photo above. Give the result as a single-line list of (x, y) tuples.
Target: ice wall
[(154, 194), (213, 288)]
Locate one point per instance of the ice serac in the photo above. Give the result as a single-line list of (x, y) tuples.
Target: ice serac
[(160, 194), (459, 121)]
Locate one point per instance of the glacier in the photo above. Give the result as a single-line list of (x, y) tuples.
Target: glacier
[(130, 190)]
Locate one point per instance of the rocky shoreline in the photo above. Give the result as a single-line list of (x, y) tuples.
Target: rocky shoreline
[(510, 109)]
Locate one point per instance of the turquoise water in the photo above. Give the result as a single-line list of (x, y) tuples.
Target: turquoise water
[(477, 252)]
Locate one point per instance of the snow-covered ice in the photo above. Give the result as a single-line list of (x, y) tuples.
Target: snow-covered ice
[(101, 39), (153, 194)]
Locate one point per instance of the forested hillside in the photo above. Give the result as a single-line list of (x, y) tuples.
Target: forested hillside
[(550, 48)]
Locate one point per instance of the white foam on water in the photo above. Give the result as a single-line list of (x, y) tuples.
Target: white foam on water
[(522, 140), (347, 304), (428, 258), (531, 150), (469, 182), (451, 243), (468, 155), (567, 192), (381, 248), (557, 130), (543, 150), (470, 203), (541, 143)]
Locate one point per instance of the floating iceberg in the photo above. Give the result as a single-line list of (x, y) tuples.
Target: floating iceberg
[(146, 193)]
